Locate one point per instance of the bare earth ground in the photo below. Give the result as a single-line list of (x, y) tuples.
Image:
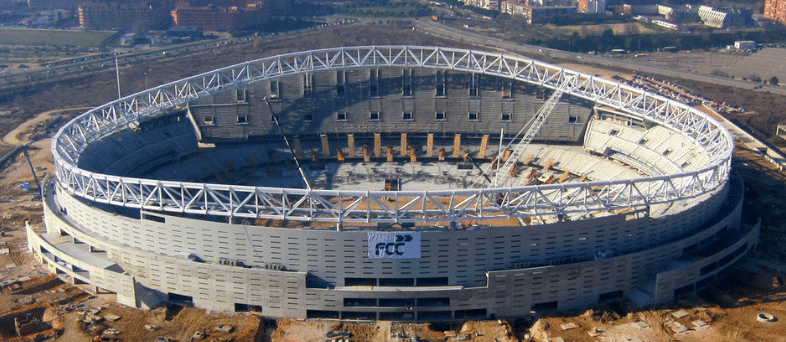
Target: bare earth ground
[(764, 110), (729, 307), (316, 330), (764, 63)]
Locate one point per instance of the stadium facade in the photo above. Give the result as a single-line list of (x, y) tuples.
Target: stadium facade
[(188, 193)]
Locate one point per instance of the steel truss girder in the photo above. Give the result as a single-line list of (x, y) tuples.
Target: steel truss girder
[(378, 206)]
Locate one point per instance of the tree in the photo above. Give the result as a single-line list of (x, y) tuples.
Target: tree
[(606, 41), (574, 39), (774, 80), (584, 31), (630, 29)]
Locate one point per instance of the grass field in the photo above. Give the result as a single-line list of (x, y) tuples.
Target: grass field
[(16, 36)]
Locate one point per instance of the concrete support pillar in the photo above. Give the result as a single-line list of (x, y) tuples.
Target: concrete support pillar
[(298, 146), (484, 141), (351, 144), (403, 144), (430, 145), (366, 154), (377, 145), (456, 145), (506, 155), (325, 145)]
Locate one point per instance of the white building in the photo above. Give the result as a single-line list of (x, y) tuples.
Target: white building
[(745, 45), (666, 24), (50, 17), (721, 18)]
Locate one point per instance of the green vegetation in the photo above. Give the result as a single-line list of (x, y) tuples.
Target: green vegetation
[(16, 36), (386, 9), (36, 54)]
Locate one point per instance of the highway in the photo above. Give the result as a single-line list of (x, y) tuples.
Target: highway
[(424, 24), (94, 63), (100, 62), (452, 33)]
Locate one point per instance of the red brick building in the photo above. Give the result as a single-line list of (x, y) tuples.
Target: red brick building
[(775, 10), (125, 16), (211, 18), (216, 18)]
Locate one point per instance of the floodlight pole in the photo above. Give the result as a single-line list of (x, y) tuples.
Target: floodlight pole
[(117, 72)]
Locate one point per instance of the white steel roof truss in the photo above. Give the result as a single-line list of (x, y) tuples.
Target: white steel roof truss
[(115, 190), (358, 200), (254, 73), (73, 138), (432, 59), (572, 196), (413, 203), (217, 197), (153, 196), (464, 206), (132, 192), (241, 203), (296, 206), (436, 203), (102, 186)]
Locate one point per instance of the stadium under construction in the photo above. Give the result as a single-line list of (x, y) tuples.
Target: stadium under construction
[(393, 183)]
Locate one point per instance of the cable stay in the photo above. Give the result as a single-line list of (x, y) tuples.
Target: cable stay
[(291, 150)]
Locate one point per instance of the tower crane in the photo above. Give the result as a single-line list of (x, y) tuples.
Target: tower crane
[(534, 125)]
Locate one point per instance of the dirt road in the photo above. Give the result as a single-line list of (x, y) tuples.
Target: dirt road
[(14, 137)]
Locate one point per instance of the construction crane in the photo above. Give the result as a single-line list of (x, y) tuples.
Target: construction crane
[(291, 150), (469, 158), (32, 169), (534, 125)]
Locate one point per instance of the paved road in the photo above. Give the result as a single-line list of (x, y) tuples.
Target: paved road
[(448, 32), (90, 64)]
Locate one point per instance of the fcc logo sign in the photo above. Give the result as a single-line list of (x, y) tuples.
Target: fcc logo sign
[(393, 245)]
